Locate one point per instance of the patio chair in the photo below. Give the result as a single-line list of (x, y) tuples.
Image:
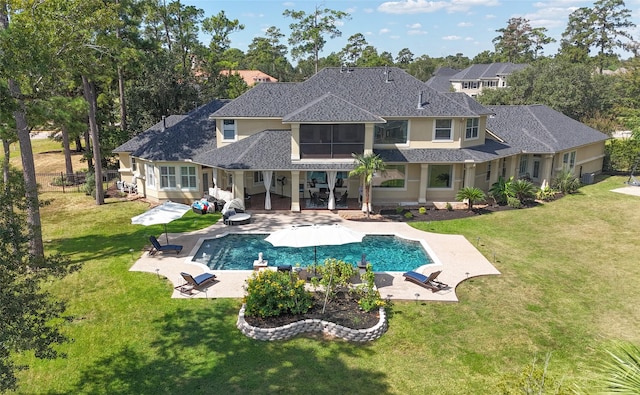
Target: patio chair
[(428, 282), (201, 281), (163, 248)]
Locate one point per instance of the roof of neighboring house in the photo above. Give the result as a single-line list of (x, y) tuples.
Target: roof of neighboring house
[(540, 129), (251, 77), (381, 91), (178, 137), (440, 83), (486, 71)]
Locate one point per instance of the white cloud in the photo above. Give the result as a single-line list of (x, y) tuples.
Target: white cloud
[(414, 26), (469, 38), (465, 24), (451, 38), (465, 5), (412, 6), (384, 31), (416, 32)]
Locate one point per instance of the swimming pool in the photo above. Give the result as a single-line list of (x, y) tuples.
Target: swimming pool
[(238, 251)]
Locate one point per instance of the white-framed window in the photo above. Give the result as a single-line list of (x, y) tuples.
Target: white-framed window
[(134, 165), (470, 85), (440, 176), (569, 160), (228, 129), (394, 176), (258, 177), (150, 175), (188, 179), (524, 165), (472, 128), (443, 130), (167, 177)]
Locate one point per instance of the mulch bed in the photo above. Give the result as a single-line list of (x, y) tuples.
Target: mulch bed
[(343, 310), (432, 214)]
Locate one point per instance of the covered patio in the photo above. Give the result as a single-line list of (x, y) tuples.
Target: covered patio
[(255, 203)]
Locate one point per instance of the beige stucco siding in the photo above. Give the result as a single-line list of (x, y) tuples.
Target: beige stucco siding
[(248, 127)]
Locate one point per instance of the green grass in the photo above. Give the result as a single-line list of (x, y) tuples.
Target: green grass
[(568, 287)]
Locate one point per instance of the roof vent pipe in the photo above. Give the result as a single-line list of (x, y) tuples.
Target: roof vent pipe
[(164, 123), (420, 101), (386, 74)]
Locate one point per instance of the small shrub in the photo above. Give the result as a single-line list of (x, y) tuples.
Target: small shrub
[(399, 209), (333, 274), (90, 184), (422, 210), (408, 215), (272, 293), (522, 190), (449, 207), (566, 182), (499, 191), (60, 181), (546, 194), (514, 202), (369, 297)]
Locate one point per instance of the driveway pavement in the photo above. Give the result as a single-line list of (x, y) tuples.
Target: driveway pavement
[(454, 255)]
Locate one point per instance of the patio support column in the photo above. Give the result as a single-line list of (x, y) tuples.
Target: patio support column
[(422, 190), (469, 174), (368, 138), (238, 184), (511, 166), (295, 194), (546, 170)]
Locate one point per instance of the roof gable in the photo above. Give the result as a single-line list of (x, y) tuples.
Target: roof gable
[(330, 108)]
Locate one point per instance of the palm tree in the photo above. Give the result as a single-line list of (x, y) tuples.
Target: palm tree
[(522, 190), (471, 194), (367, 166), (623, 371)]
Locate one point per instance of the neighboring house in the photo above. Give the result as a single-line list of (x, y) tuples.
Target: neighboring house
[(251, 77), (303, 135), (474, 78)]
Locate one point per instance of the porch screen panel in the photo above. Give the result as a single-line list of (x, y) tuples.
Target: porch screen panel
[(331, 141)]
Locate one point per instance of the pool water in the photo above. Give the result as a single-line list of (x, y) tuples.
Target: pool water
[(384, 252)]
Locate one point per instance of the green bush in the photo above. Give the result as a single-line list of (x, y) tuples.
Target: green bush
[(546, 194), (449, 207), (408, 215), (369, 297), (566, 182), (513, 202), (399, 209), (332, 275), (500, 190), (90, 184), (522, 190), (422, 210), (271, 293)]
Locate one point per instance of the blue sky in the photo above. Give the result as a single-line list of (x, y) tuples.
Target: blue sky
[(435, 28)]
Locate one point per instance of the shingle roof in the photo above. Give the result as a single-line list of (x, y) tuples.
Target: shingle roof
[(329, 108), (540, 129), (485, 71), (184, 136), (440, 83), (490, 150), (266, 150), (382, 91)]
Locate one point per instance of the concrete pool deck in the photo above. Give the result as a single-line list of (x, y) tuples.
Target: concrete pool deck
[(459, 259)]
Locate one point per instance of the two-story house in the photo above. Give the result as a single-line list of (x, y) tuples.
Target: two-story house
[(474, 78), (296, 139)]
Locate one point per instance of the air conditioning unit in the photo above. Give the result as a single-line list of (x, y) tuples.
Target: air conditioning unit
[(587, 178)]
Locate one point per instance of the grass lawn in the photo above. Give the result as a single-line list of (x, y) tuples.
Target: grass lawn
[(568, 287)]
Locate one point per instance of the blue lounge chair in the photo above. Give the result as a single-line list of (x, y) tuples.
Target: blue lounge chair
[(428, 282), (200, 281), (163, 248)]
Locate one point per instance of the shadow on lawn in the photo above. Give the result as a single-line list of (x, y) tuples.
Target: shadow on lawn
[(201, 351)]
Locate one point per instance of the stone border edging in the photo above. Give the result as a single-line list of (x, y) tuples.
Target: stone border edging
[(312, 325)]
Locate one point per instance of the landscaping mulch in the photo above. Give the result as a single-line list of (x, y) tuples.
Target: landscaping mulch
[(343, 310)]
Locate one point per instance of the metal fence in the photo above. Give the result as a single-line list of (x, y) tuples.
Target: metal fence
[(72, 182)]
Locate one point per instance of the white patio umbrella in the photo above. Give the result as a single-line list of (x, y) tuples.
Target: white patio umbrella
[(162, 214), (308, 235)]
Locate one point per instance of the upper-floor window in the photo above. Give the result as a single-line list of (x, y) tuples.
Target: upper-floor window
[(188, 177), (228, 129), (150, 175), (331, 141), (470, 84), (443, 130), (394, 176), (472, 128), (490, 83), (134, 165), (569, 160), (440, 176), (392, 132), (167, 177)]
